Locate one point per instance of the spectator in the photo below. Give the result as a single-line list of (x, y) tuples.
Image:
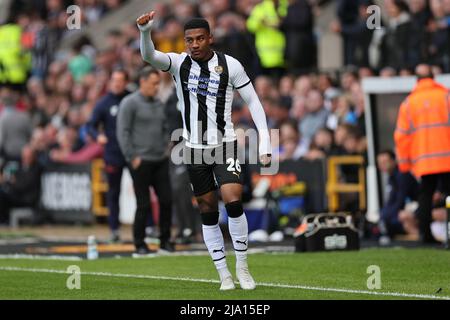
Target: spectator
[(357, 96), (105, 113), (297, 26), (21, 188), (15, 127), (418, 39), (302, 86), (353, 27), (14, 59), (438, 28), (332, 105), (396, 45), (410, 221), (321, 145), (285, 88), (232, 38), (265, 87), (388, 72), (348, 78), (399, 189), (80, 64), (279, 112), (171, 37), (292, 146), (316, 116), (264, 21)]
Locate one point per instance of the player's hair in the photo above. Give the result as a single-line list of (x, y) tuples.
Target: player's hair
[(146, 72), (197, 23)]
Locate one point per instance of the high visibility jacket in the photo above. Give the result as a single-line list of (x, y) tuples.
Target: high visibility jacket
[(422, 135), (14, 62), (270, 42)]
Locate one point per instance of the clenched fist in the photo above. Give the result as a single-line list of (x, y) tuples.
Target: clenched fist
[(145, 21)]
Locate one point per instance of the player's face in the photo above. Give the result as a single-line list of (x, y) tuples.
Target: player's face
[(198, 43)]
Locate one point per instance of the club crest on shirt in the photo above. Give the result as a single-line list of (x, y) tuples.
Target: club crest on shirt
[(218, 69), (114, 110)]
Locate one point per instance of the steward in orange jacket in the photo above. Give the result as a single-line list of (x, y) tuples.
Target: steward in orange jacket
[(422, 139), (422, 136)]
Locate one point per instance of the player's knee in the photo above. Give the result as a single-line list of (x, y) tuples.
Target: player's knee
[(206, 206), (234, 209), (210, 218)]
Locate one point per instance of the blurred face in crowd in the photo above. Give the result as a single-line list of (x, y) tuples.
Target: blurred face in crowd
[(446, 6), (323, 139), (351, 144), (54, 5), (173, 29), (358, 98), (286, 86), (385, 163), (416, 5), (314, 101), (288, 132), (323, 82), (302, 86), (118, 82), (347, 80), (263, 87), (51, 133), (149, 86), (365, 72), (405, 73), (437, 8), (74, 118), (38, 141), (392, 9), (198, 42), (279, 113), (340, 134), (298, 109), (78, 93), (66, 138), (387, 72)]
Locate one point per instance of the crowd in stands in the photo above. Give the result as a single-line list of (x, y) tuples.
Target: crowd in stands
[(319, 113)]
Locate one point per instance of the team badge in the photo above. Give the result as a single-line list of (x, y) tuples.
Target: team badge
[(218, 69)]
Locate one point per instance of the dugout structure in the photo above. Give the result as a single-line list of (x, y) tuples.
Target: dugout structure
[(383, 97)]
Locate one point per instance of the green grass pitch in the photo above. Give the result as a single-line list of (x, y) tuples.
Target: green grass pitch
[(404, 274)]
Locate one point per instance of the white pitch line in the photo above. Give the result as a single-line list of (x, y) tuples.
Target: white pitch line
[(263, 284), (39, 257)]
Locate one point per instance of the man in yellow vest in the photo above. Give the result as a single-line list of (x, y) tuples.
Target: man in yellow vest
[(14, 62), (264, 22)]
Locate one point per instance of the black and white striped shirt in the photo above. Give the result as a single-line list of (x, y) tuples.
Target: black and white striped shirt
[(205, 94)]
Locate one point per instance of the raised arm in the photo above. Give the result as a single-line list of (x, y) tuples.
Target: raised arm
[(158, 59)]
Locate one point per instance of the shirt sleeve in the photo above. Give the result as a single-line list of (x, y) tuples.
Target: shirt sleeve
[(163, 61), (238, 76), (124, 126), (402, 138), (95, 120), (248, 94)]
